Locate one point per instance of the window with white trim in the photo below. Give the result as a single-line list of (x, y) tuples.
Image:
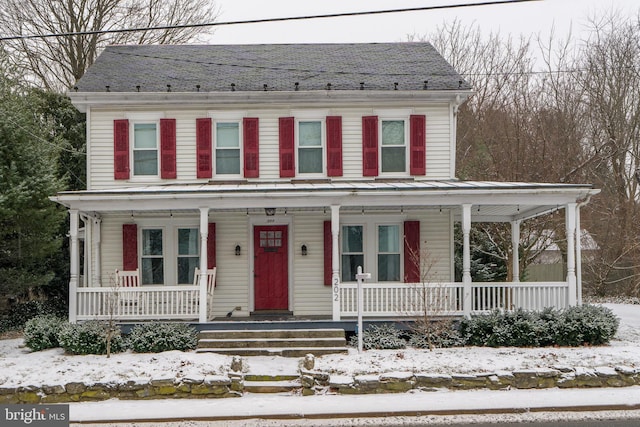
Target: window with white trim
[(352, 251), (310, 138), (393, 146), (188, 256), (152, 261), (145, 149), (388, 253), (376, 245), (227, 148)]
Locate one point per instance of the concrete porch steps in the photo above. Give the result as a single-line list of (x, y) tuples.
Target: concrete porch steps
[(271, 383), (278, 342)]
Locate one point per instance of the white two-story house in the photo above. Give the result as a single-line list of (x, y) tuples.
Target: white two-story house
[(286, 167)]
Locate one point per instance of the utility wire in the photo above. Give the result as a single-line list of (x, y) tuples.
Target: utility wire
[(264, 20)]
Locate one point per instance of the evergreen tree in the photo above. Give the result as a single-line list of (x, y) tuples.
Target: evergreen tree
[(29, 221)]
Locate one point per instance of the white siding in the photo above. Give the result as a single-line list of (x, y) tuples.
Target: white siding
[(438, 152), (310, 296), (232, 276)]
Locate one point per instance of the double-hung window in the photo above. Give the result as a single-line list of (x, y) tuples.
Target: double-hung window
[(393, 150), (145, 149), (352, 251), (388, 253), (310, 147), (152, 256), (227, 148), (376, 246), (188, 256)]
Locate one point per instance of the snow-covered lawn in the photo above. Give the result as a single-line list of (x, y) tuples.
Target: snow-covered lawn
[(19, 366)]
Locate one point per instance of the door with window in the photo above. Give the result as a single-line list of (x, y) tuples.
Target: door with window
[(271, 268)]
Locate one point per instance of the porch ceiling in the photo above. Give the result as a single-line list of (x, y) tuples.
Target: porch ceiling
[(492, 201)]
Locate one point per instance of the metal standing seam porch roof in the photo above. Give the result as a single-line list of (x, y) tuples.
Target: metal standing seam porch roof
[(497, 201), (223, 68)]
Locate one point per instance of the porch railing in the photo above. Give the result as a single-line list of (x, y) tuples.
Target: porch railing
[(139, 303), (448, 299)]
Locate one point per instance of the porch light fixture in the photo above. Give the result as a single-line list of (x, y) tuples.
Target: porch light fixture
[(303, 249), (269, 211), (238, 250)]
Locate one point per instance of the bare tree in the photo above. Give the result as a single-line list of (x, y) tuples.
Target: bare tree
[(610, 82), (56, 63), (521, 125)]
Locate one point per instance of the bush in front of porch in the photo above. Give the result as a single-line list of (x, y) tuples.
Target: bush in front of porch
[(156, 337)]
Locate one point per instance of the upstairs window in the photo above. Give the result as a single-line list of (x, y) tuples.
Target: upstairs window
[(393, 146), (227, 148), (145, 149), (310, 147)]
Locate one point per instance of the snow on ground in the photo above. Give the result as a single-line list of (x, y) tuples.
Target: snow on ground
[(20, 367)]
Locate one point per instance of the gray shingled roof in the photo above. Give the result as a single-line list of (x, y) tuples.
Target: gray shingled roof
[(279, 66)]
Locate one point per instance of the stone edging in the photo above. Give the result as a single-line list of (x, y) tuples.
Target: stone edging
[(317, 382), (398, 382)]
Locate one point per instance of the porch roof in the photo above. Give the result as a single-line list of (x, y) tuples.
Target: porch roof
[(496, 201)]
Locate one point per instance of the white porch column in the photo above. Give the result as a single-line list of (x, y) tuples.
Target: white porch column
[(515, 249), (466, 259), (96, 233), (335, 261), (74, 219), (570, 214), (204, 235), (578, 257)]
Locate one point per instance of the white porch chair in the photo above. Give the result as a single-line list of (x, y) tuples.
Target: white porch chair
[(128, 279), (211, 284)]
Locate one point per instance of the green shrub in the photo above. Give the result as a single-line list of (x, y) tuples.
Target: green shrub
[(89, 338), (579, 325), (586, 324), (156, 337), (41, 332), (19, 313), (383, 337)]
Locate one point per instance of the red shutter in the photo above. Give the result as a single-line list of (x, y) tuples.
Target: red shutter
[(417, 145), (129, 247), (121, 149), (168, 149), (334, 146), (251, 147), (203, 148), (412, 252), (287, 147), (370, 146), (328, 254), (211, 245)]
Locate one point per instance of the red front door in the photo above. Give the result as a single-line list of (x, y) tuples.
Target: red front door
[(271, 272)]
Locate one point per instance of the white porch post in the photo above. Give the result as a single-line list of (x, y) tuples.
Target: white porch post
[(74, 267), (335, 261), (466, 259), (578, 257), (515, 249), (96, 232), (570, 214), (204, 235)]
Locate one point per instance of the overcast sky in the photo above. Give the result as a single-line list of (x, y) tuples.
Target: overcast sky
[(527, 18)]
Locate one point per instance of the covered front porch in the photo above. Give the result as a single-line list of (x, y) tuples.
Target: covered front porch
[(92, 297)]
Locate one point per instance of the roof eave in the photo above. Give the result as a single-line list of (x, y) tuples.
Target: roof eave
[(83, 100)]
